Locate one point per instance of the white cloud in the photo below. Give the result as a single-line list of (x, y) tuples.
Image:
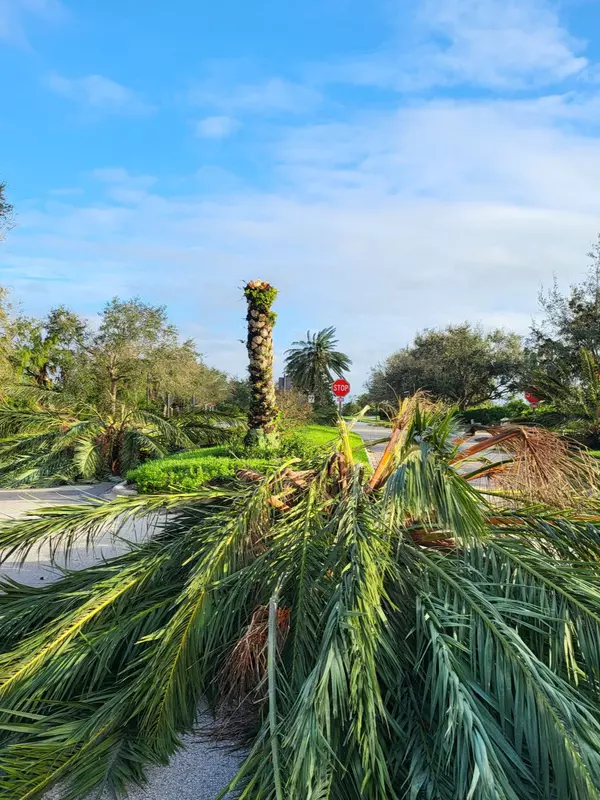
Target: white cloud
[(381, 226), (498, 44), (219, 127), (99, 94), (16, 14), (501, 43), (266, 97)]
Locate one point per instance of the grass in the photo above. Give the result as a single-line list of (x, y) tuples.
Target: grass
[(323, 435), (188, 470)]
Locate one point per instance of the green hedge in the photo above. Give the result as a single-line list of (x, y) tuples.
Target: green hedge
[(187, 471)]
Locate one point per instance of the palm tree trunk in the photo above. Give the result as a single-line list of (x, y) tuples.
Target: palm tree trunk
[(262, 417)]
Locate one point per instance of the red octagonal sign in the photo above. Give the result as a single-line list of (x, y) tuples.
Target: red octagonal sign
[(340, 388)]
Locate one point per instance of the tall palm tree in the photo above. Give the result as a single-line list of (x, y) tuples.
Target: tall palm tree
[(313, 363), (429, 632), (262, 417)]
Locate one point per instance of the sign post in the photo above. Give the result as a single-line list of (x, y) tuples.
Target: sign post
[(340, 388)]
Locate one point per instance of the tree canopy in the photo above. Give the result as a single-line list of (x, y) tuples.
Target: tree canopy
[(6, 212), (569, 323), (460, 364)]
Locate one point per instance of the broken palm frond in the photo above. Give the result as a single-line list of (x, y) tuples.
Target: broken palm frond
[(242, 679), (532, 463), (402, 638)]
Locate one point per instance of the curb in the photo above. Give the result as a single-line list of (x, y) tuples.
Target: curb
[(122, 490)]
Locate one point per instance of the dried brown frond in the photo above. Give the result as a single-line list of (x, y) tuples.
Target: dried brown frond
[(533, 464), (242, 678)]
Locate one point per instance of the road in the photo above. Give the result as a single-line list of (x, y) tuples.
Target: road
[(37, 567), (373, 433)]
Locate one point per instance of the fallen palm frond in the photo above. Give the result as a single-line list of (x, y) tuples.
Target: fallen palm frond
[(399, 637)]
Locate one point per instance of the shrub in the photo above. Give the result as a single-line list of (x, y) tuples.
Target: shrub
[(187, 471)]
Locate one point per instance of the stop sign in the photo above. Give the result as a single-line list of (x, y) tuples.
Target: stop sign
[(340, 388)]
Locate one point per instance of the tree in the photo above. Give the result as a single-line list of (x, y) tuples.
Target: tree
[(570, 324), (44, 350), (120, 356), (7, 349), (48, 438), (460, 364), (573, 400), (262, 416), (397, 636), (313, 363), (6, 213)]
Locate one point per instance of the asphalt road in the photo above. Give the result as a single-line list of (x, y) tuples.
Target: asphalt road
[(15, 504), (372, 433)]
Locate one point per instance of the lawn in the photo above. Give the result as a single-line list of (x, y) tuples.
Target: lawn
[(186, 471), (322, 435)]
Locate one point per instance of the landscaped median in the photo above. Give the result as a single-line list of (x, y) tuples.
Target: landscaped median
[(188, 470)]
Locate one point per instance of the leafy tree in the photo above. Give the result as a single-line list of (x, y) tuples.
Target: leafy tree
[(178, 376), (119, 358), (570, 323), (392, 637), (572, 399), (6, 213), (460, 364), (238, 396), (294, 410), (262, 415), (7, 349)]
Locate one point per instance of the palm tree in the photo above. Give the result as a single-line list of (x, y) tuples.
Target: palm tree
[(429, 631), (48, 438), (313, 363), (262, 417)]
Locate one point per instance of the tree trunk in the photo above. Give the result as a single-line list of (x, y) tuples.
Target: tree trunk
[(262, 417)]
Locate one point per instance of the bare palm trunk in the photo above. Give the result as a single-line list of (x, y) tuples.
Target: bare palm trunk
[(262, 417)]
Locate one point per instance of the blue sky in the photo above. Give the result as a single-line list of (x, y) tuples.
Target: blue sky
[(387, 165)]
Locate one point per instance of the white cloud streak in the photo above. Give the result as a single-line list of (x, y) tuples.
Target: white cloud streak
[(16, 15), (495, 44), (383, 225), (99, 94), (219, 127)]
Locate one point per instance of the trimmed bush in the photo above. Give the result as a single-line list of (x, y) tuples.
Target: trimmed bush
[(187, 471), (191, 469)]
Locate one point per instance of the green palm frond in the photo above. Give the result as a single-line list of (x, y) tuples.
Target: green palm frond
[(96, 445), (403, 638), (313, 363)]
